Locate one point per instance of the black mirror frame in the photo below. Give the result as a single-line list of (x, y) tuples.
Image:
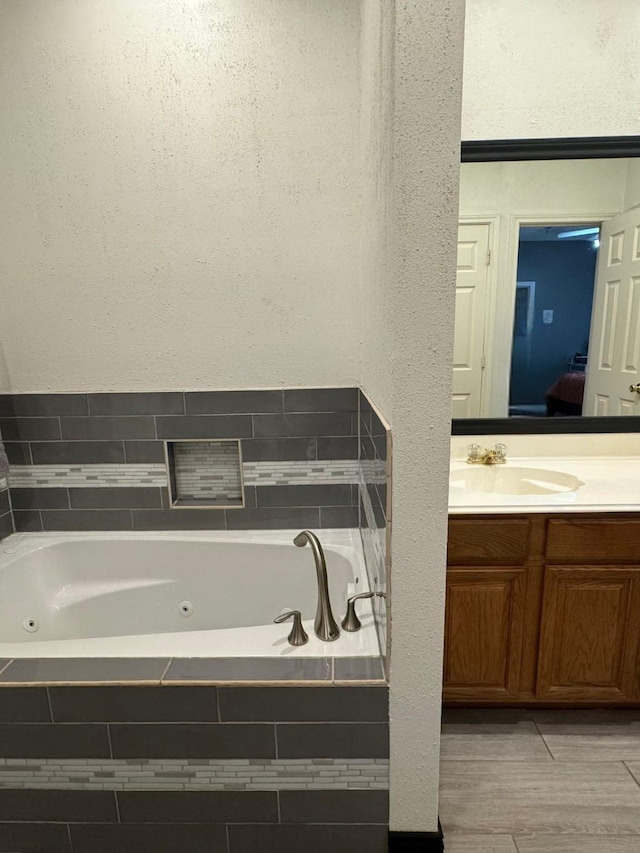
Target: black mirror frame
[(565, 148)]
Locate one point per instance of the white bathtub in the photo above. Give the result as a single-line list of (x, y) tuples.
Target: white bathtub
[(173, 594)]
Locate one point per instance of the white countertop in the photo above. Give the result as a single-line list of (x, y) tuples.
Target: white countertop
[(611, 484)]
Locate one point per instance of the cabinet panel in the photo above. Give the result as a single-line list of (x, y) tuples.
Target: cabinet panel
[(488, 542), (593, 541), (589, 633), (483, 632)]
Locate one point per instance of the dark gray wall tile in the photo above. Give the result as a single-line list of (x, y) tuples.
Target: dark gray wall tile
[(366, 411), (135, 403), (57, 806), (192, 740), (367, 448), (34, 838), (198, 806), (358, 669), (149, 838), (328, 494), (380, 443), (321, 400), (205, 426), (381, 488), (30, 429), (377, 427), (233, 402), (24, 705), (278, 449), (139, 452), (86, 519), (18, 452), (78, 453), (6, 525), (295, 838), (333, 740), (5, 506), (27, 521), (334, 807), (249, 669), (304, 704), (53, 498), (250, 497), (179, 519), (107, 428), (130, 704), (52, 670), (121, 497), (273, 518), (283, 426), (42, 405), (46, 740), (338, 448), (339, 516)]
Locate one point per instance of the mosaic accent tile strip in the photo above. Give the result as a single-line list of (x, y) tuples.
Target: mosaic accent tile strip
[(207, 470), (300, 473), (93, 476), (374, 471), (195, 774)]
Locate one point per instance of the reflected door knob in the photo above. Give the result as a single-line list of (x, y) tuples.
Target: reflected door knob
[(635, 388)]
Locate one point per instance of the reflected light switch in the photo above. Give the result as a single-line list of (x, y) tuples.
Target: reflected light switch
[(547, 316)]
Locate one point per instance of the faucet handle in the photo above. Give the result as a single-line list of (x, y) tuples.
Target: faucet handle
[(351, 621), (473, 452), (501, 451), (298, 636)]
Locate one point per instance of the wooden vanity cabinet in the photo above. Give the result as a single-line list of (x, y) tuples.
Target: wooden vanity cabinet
[(543, 609)]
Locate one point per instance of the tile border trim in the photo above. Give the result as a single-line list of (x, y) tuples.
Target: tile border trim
[(163, 681)]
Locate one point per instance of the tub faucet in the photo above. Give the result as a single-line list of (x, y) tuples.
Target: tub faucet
[(325, 625)]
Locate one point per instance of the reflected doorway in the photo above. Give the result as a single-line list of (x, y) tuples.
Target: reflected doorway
[(553, 305)]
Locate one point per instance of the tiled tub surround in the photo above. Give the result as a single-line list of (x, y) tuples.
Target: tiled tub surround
[(208, 769), (299, 450), (375, 507)]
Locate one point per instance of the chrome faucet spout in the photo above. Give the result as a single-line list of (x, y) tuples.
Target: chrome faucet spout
[(325, 625)]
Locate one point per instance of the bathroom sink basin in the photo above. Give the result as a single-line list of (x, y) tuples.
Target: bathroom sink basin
[(505, 480)]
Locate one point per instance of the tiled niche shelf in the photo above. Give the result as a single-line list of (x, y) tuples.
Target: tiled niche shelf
[(205, 474)]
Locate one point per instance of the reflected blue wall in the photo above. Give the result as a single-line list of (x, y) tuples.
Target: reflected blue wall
[(564, 273)]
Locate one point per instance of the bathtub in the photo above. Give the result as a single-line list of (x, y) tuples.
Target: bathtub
[(173, 594)]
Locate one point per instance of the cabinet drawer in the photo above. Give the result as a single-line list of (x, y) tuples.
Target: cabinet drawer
[(594, 541), (488, 542)]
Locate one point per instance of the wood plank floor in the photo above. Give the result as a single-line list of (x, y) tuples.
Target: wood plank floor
[(540, 781)]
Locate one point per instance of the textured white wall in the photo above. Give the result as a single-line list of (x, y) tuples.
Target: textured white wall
[(181, 208), (507, 191), (549, 68), (180, 193), (376, 150), (427, 92)]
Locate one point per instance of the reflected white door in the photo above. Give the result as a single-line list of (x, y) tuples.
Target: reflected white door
[(471, 305), (614, 344)]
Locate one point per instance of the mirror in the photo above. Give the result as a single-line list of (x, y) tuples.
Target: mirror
[(548, 290)]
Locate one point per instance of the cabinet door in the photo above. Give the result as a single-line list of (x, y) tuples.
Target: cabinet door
[(589, 634), (483, 633)]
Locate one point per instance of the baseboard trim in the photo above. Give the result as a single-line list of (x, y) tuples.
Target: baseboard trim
[(416, 842)]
